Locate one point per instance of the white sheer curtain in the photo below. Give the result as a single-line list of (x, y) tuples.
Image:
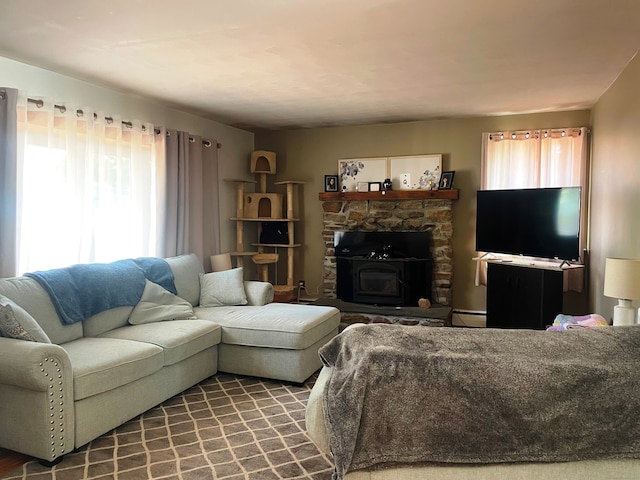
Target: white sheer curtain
[(534, 159), (87, 187)]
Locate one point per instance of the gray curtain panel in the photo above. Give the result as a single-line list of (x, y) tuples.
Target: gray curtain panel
[(8, 181), (192, 217)]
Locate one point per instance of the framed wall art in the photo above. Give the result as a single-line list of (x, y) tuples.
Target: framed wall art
[(415, 172), (355, 170)]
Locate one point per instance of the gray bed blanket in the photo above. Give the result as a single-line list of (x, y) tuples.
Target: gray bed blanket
[(402, 394)]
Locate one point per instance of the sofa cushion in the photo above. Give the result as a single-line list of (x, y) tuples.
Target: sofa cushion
[(186, 276), (158, 304), (27, 293), (276, 325), (15, 322), (222, 288), (179, 339), (102, 364)]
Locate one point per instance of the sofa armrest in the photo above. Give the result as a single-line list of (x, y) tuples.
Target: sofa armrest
[(23, 363), (36, 388), (314, 415), (258, 293)]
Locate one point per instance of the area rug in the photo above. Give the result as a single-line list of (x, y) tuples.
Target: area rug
[(226, 427)]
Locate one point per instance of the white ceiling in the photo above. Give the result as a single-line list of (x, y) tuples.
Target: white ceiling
[(308, 63)]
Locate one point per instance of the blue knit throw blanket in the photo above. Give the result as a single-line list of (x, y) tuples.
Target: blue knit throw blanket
[(80, 291)]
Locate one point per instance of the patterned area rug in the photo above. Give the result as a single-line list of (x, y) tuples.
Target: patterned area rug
[(226, 427)]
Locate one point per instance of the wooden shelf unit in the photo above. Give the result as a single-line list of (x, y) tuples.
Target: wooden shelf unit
[(240, 219)]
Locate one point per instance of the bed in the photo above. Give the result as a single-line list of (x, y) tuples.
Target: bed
[(398, 402)]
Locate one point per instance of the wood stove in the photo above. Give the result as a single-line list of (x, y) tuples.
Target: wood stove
[(383, 268)]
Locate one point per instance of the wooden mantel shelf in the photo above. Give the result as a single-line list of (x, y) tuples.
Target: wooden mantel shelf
[(390, 195)]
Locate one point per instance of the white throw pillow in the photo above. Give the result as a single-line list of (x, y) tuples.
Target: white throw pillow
[(222, 288), (158, 304), (15, 322)]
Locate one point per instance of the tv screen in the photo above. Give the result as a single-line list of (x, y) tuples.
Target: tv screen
[(536, 222)]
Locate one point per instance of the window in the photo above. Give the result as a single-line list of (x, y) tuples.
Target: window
[(534, 159), (537, 159), (87, 187)]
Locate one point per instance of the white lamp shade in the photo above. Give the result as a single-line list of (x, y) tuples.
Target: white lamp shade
[(622, 278), (220, 262)]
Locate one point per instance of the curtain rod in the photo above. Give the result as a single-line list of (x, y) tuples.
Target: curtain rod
[(545, 132), (40, 103)]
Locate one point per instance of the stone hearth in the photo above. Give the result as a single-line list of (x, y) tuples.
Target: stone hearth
[(350, 313), (412, 215)]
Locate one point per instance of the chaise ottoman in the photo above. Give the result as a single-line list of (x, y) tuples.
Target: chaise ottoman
[(277, 340)]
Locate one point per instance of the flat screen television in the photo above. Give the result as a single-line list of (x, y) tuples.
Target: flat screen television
[(536, 222)]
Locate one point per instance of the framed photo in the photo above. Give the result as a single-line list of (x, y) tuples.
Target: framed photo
[(362, 186), (446, 181), (415, 172), (331, 183), (355, 170), (375, 186)]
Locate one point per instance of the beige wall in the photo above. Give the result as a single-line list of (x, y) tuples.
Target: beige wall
[(615, 191), (236, 144), (310, 154)]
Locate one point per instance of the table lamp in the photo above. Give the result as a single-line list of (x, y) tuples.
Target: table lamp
[(622, 281)]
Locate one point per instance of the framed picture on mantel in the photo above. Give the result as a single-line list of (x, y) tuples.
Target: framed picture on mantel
[(330, 183), (446, 181), (415, 172), (410, 172), (356, 170)]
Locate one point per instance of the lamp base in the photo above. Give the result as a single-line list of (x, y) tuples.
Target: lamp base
[(624, 313)]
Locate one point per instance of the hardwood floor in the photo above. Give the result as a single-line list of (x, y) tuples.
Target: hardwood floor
[(10, 460)]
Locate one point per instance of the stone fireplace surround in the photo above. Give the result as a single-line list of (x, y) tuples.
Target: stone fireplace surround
[(394, 214)]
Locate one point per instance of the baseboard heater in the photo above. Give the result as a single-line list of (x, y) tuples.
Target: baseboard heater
[(469, 318)]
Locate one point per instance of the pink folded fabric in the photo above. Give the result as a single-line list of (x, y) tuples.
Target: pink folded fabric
[(565, 322)]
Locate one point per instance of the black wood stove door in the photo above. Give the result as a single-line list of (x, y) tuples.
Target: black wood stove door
[(400, 282)]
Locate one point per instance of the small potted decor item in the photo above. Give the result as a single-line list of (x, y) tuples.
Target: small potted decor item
[(387, 185)]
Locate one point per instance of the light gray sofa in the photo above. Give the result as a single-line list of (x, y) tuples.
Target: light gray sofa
[(96, 374)]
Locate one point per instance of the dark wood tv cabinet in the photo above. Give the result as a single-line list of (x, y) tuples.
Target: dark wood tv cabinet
[(521, 295)]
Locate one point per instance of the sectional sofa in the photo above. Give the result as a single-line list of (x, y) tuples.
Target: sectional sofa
[(65, 379)]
